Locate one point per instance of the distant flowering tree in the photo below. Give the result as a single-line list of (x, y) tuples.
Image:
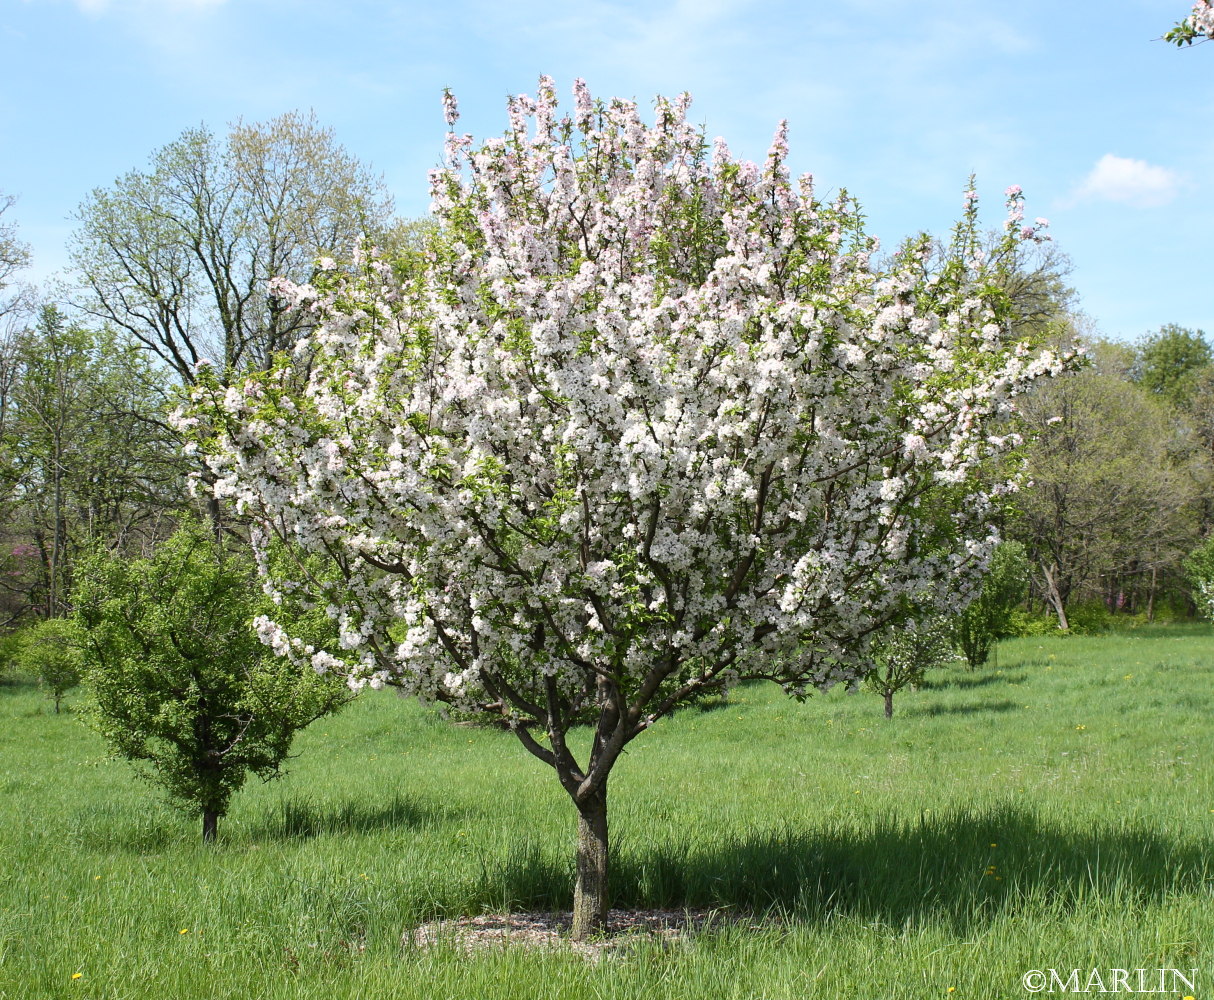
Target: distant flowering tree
[(645, 422), (902, 658), (1199, 25)]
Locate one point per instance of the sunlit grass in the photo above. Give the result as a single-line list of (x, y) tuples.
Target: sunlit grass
[(1051, 811)]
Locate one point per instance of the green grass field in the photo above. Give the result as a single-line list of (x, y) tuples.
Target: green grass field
[(1053, 811)]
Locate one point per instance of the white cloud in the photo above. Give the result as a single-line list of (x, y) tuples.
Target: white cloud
[(1130, 182)]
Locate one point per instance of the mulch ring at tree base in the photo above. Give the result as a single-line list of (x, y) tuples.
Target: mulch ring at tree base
[(625, 928)]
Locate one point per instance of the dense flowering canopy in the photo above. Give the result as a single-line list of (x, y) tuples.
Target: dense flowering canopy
[(646, 419)]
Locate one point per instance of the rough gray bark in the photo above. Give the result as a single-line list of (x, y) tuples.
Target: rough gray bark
[(590, 890)]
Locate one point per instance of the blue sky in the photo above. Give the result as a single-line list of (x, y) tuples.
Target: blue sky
[(1109, 130)]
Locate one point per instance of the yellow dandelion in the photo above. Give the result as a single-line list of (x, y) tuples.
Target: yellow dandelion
[(184, 930), (77, 975), (96, 878), (994, 845), (1081, 727)]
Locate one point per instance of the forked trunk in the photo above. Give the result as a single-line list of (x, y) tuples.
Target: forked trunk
[(590, 889), (210, 824)]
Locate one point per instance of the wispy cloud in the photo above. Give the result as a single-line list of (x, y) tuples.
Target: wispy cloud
[(95, 8), (1129, 182)]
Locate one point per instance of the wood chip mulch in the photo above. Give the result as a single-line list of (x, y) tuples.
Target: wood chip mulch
[(625, 928)]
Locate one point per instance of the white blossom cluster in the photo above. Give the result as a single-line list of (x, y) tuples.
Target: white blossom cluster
[(645, 421), (1201, 20)]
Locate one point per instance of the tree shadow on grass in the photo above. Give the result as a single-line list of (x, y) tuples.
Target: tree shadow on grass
[(298, 819), (969, 708), (962, 869), (967, 682), (158, 829)]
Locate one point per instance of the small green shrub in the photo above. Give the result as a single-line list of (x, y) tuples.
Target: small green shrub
[(182, 684), (988, 617), (1026, 624), (1090, 618), (1199, 568), (10, 653), (50, 651)]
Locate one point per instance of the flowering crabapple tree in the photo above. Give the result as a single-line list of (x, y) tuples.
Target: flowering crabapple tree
[(902, 658), (644, 422), (1199, 25)]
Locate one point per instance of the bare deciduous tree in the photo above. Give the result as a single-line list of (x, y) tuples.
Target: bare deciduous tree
[(179, 255)]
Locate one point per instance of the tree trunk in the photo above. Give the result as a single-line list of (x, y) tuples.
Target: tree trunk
[(1151, 594), (590, 889), (889, 704), (1055, 598), (210, 823)]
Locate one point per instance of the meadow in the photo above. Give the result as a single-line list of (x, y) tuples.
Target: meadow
[(1050, 811)]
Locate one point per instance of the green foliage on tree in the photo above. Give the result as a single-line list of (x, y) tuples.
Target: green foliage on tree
[(1114, 477), (988, 618), (1198, 26), (182, 684), (50, 650), (906, 655), (1199, 570), (14, 257), (84, 457), (1170, 360)]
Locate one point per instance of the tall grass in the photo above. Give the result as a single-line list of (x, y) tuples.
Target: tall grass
[(1054, 811)]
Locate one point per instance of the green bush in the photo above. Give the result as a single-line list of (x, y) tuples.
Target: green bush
[(10, 651), (1199, 568), (50, 651), (988, 618), (1091, 617), (181, 683), (1026, 624)]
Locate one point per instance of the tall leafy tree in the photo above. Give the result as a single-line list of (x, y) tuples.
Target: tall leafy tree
[(1170, 361), (1111, 491), (87, 456), (14, 257)]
